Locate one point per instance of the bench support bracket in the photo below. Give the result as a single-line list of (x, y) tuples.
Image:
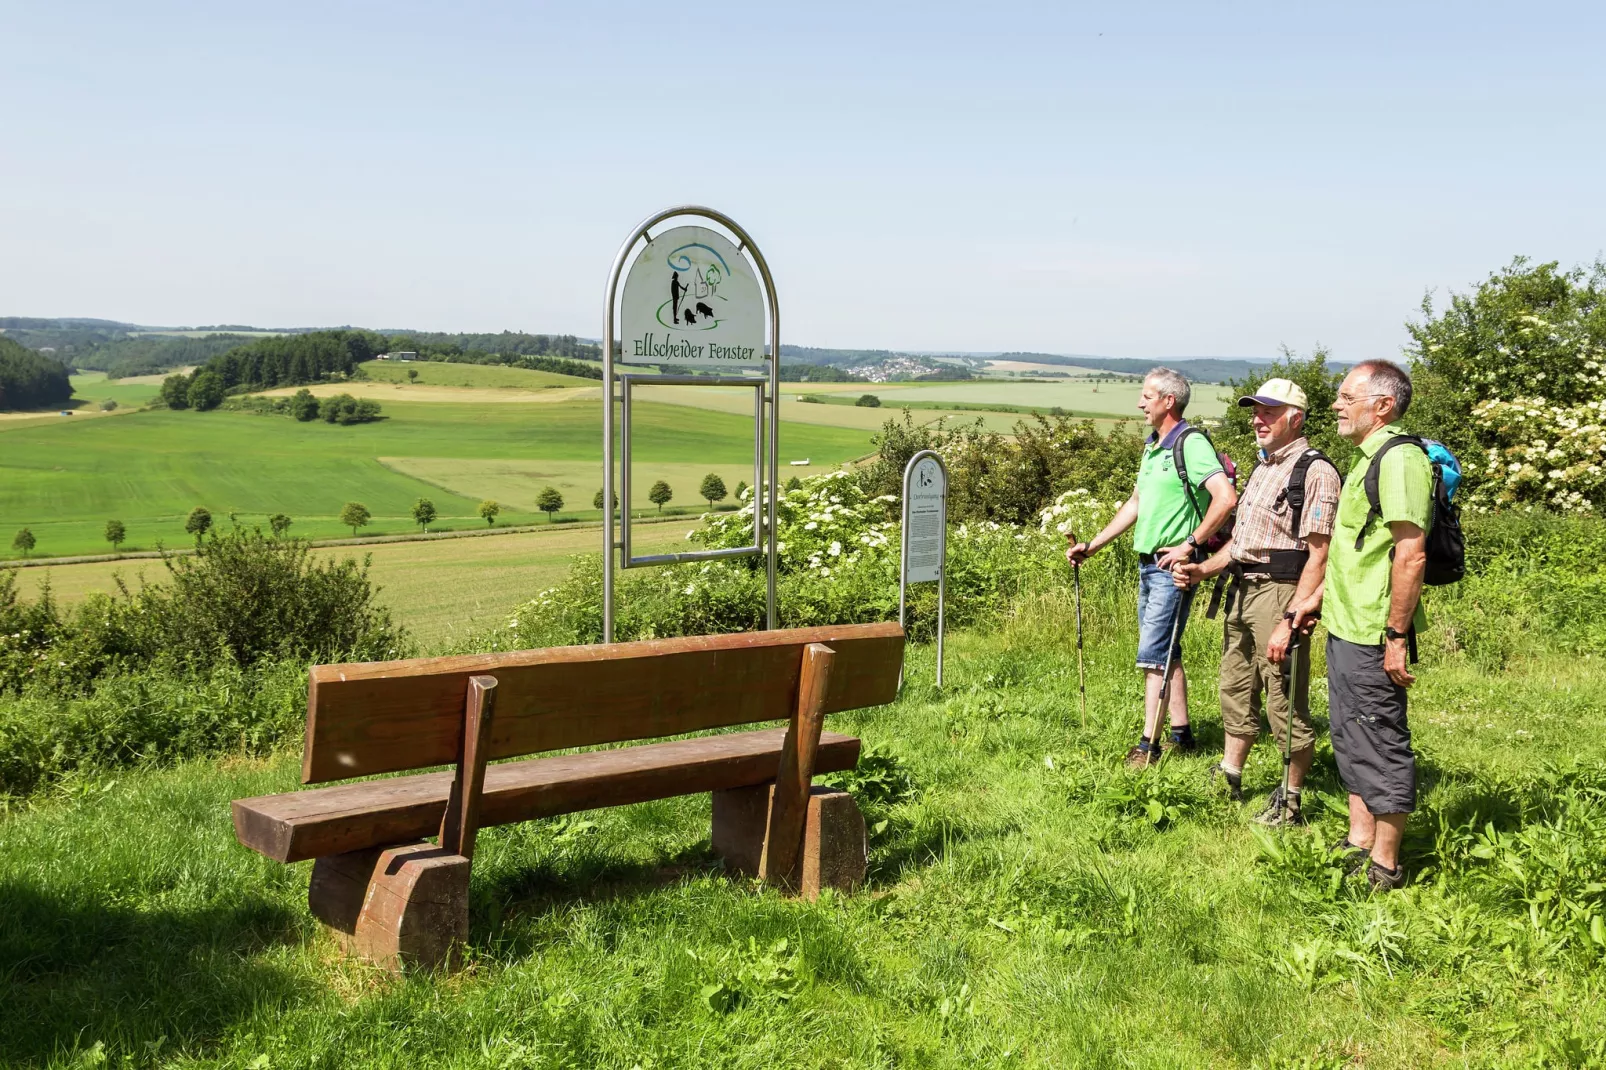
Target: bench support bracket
[(832, 853)]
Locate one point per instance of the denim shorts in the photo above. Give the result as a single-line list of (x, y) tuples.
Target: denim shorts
[(1158, 600)]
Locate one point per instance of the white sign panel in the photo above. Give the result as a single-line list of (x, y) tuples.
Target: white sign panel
[(926, 519), (691, 298)]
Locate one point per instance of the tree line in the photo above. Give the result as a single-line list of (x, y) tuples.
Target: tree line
[(29, 380)]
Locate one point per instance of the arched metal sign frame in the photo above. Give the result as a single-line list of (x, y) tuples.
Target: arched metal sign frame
[(765, 462)]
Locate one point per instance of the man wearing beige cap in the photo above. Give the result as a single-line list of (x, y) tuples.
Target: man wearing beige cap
[(1275, 562)]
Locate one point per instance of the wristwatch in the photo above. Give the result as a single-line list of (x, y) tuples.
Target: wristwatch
[(1392, 634)]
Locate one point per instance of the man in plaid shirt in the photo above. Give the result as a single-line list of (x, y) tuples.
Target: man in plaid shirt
[(1275, 563)]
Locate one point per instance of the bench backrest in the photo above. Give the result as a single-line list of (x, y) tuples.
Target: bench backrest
[(389, 716)]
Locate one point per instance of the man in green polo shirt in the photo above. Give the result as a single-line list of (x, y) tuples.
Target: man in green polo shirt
[(1371, 600), (1169, 519)]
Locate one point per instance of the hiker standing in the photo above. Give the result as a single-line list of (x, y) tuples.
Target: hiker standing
[(1171, 516), (1372, 608), (1273, 567)]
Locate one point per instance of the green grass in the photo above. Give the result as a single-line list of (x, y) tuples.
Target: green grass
[(439, 373), (93, 388), (442, 589), (149, 469), (1021, 911)]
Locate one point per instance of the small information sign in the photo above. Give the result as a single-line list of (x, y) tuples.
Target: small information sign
[(925, 535), (926, 518)]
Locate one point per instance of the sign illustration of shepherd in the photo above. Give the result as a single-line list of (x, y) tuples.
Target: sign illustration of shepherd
[(692, 298)]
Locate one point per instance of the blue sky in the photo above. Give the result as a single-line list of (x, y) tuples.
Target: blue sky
[(1136, 180)]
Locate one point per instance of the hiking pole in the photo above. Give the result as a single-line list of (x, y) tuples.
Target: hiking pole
[(1161, 711), (1081, 669), (1288, 722)]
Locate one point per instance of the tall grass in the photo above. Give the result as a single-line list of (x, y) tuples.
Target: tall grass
[(1026, 904)]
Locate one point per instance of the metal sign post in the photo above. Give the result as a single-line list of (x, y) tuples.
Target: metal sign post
[(690, 297), (925, 535)]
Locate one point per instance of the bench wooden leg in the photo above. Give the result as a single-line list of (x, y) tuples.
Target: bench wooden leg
[(833, 850), (397, 907)]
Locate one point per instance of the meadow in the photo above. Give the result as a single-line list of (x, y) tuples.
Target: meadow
[(149, 469), (443, 590), (1030, 903)]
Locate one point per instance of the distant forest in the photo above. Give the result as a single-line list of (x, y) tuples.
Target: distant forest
[(29, 380)]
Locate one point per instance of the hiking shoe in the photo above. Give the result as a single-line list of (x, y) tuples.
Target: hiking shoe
[(1234, 782), (1141, 757), (1357, 856), (1280, 812), (1383, 880), (1184, 748)]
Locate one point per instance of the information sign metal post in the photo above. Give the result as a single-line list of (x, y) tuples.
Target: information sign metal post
[(690, 297), (925, 535)]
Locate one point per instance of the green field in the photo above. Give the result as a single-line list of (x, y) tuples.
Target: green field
[(441, 589), (149, 469)]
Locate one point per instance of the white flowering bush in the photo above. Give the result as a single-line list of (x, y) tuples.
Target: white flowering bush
[(839, 559), (1513, 378), (1540, 453)]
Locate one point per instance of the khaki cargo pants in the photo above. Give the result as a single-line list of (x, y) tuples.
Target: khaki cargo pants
[(1245, 672)]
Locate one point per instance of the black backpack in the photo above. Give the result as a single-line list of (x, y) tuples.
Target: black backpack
[(1294, 493), (1223, 533), (1446, 548)]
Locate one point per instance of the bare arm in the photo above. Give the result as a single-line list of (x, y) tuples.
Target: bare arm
[(1223, 500), (1123, 519), (1405, 590)]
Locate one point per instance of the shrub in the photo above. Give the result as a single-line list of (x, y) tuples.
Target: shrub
[(838, 564), (205, 392), (345, 409), (243, 597), (279, 523), (303, 406), (868, 401), (1513, 378)]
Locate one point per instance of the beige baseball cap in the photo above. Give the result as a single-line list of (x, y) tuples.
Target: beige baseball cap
[(1277, 392)]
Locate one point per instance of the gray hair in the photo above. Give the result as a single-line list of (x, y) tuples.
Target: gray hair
[(1386, 377), (1168, 381)]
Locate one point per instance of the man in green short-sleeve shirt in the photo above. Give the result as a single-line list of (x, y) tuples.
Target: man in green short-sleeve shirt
[(1169, 521), (1371, 600)]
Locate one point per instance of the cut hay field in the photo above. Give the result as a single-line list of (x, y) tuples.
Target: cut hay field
[(441, 589), (149, 469)]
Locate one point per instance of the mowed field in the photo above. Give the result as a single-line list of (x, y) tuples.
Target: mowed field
[(441, 589), (64, 480)]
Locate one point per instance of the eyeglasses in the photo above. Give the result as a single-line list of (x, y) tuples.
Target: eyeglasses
[(1349, 399)]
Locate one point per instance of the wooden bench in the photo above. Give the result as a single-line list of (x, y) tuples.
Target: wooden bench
[(397, 899)]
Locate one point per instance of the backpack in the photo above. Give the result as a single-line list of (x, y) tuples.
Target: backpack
[(1294, 493), (1446, 548), (1223, 533)]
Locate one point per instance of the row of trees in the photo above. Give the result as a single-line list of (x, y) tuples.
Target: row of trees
[(30, 380)]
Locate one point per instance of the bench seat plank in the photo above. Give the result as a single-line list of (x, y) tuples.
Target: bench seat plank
[(349, 817)]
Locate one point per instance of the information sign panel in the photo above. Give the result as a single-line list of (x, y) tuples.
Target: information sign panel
[(926, 517), (925, 535), (691, 298)]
